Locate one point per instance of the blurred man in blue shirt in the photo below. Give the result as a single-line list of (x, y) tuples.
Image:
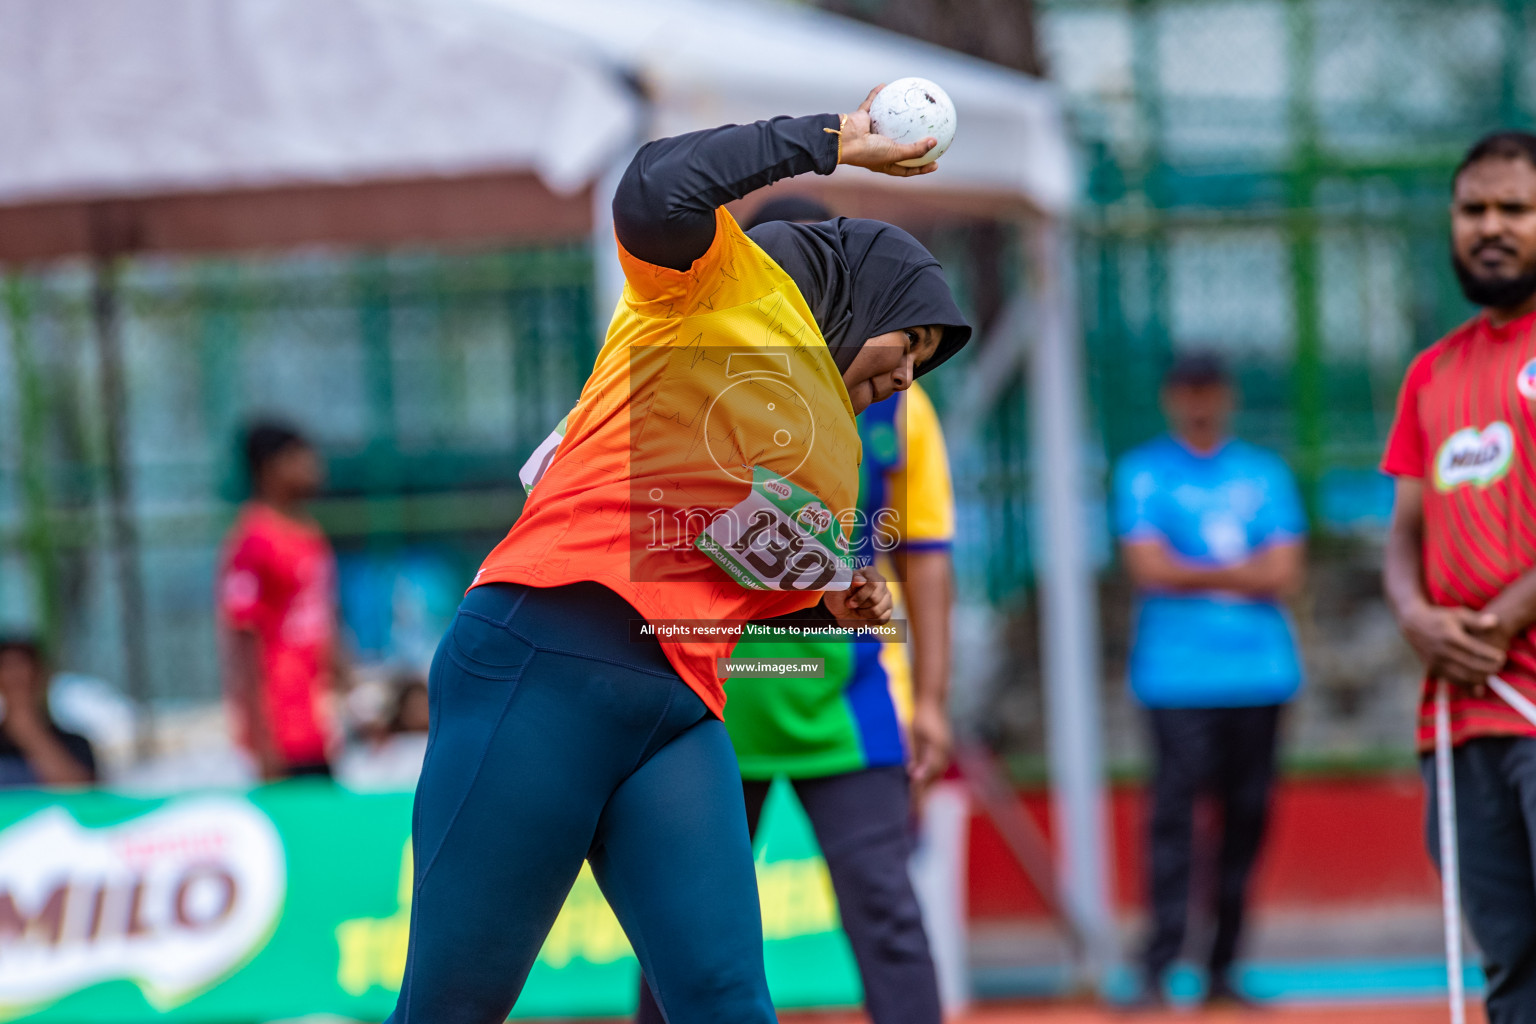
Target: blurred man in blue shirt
[(1212, 533)]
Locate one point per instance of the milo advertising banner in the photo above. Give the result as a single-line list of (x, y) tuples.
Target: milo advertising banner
[(295, 899)]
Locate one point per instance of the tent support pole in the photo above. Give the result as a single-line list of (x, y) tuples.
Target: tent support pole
[(1068, 600), (607, 272), (123, 527)]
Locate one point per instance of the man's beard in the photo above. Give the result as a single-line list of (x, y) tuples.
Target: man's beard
[(1496, 292)]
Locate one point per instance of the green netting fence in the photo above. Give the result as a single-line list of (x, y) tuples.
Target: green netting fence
[(424, 378)]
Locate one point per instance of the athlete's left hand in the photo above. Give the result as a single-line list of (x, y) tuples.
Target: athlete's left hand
[(932, 744), (867, 600)]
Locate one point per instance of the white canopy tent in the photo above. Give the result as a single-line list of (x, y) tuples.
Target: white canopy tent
[(137, 98), (700, 64), (188, 126)]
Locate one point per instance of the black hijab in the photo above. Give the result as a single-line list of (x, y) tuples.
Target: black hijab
[(864, 278)]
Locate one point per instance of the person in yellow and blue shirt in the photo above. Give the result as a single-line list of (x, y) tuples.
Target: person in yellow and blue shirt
[(859, 742)]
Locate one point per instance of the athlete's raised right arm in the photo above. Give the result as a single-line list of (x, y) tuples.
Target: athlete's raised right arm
[(664, 208)]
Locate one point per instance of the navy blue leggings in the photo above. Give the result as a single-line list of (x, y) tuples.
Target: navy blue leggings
[(555, 738)]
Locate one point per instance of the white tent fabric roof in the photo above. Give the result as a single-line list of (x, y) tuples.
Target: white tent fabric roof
[(107, 98), (708, 62), (144, 97)]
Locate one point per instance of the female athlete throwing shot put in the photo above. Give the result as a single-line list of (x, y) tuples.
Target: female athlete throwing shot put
[(701, 478)]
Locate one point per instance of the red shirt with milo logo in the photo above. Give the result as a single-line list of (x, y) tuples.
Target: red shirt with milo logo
[(1466, 426)]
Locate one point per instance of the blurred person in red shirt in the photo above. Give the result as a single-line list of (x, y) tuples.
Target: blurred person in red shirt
[(277, 610)]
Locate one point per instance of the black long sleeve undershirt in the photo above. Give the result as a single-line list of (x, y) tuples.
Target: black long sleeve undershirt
[(664, 208)]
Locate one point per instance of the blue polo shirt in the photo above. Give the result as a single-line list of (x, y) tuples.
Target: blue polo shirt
[(1209, 649)]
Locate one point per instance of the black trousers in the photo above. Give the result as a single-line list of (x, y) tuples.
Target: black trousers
[(1227, 754), (1496, 845), (862, 821)]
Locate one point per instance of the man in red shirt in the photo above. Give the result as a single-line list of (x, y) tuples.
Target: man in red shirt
[(1461, 554), (277, 603)]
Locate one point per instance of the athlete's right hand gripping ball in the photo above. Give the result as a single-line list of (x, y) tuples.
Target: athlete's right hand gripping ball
[(914, 150), (913, 109)]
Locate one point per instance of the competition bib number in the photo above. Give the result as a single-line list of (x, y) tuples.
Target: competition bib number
[(782, 537)]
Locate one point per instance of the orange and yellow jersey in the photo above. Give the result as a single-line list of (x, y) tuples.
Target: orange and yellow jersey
[(707, 375)]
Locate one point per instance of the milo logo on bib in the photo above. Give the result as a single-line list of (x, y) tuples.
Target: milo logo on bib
[(815, 517), (782, 537), (1472, 456)]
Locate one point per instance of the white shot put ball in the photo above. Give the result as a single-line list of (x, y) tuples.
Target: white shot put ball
[(910, 109)]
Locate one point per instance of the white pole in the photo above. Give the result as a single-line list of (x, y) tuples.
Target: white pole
[(607, 274), (1514, 698), (939, 879), (1068, 601), (1450, 868)]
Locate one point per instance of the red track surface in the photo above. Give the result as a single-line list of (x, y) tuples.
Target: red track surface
[(1056, 1013)]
